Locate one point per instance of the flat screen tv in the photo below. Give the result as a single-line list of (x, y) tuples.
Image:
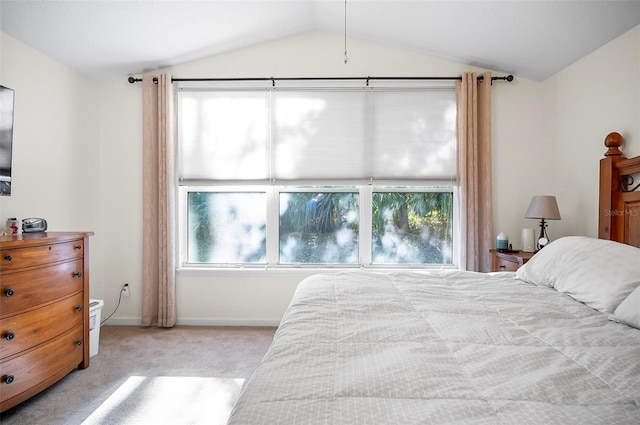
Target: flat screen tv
[(6, 138)]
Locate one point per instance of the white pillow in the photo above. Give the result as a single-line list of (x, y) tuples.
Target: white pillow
[(544, 267), (629, 310), (597, 272)]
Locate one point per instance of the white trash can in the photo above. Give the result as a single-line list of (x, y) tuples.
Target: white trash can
[(95, 316)]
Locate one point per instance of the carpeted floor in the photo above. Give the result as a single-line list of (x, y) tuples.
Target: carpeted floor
[(183, 375)]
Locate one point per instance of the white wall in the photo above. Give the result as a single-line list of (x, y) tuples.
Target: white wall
[(56, 161), (521, 141), (120, 147), (589, 99), (530, 121)]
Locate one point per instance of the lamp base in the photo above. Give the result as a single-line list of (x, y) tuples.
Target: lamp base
[(543, 240)]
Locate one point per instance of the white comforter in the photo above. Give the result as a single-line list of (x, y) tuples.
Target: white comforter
[(442, 348)]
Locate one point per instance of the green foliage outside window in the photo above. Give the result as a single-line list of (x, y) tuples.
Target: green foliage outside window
[(322, 227), (319, 227), (412, 227)]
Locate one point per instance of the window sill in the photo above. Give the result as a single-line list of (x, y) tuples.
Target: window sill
[(300, 271)]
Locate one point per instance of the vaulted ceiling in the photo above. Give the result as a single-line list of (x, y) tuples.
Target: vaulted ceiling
[(112, 39)]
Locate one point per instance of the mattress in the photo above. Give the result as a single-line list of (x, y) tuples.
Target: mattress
[(445, 347)]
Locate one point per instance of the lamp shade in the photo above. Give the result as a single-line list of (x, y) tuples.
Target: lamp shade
[(543, 206)]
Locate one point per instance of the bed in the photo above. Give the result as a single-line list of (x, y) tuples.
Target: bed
[(557, 342)]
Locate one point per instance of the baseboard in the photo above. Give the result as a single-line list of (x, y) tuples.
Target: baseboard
[(135, 321), (227, 322), (122, 321)]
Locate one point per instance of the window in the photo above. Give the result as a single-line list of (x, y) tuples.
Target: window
[(319, 227), (331, 176), (226, 227), (412, 227)]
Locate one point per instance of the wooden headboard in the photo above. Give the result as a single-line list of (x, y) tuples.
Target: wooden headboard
[(619, 194)]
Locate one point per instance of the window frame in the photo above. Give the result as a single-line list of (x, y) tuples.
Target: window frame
[(363, 185), (272, 210)]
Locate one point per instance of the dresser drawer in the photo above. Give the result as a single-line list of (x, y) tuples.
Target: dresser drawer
[(18, 258), (509, 261), (23, 331), (43, 365), (30, 288), (503, 265)]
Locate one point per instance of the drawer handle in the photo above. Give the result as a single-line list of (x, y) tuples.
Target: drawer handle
[(10, 336), (502, 266), (79, 308), (8, 379), (8, 292), (78, 274), (78, 342), (77, 247), (8, 258)]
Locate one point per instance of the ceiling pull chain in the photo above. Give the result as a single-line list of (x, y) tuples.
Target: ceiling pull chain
[(345, 59)]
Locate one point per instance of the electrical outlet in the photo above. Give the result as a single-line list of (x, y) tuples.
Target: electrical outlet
[(125, 290)]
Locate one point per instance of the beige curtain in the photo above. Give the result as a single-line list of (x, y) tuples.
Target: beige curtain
[(474, 170), (158, 156)]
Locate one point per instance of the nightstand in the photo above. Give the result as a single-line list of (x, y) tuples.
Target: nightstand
[(509, 261)]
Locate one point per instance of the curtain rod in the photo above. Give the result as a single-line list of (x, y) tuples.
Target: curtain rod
[(273, 80)]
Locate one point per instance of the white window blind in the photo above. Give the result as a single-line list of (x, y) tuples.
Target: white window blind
[(319, 135), (223, 135), (414, 134), (298, 134)]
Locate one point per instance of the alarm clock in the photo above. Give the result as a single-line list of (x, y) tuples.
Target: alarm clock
[(34, 225)]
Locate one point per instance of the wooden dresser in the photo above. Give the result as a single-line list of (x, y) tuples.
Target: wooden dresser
[(44, 311)]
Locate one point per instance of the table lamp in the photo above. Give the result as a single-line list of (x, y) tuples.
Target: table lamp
[(543, 207)]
